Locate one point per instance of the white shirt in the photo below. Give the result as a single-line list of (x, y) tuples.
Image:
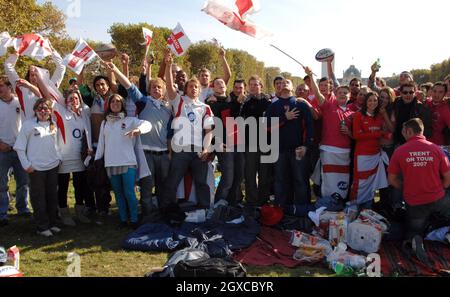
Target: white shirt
[(190, 118), (70, 131), (117, 148), (10, 121), (36, 146)]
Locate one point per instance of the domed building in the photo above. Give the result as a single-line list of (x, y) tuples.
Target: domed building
[(351, 73)]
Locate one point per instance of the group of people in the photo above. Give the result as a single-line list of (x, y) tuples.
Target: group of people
[(159, 133)]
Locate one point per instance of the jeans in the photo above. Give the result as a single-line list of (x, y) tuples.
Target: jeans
[(235, 195), (123, 187), (179, 165), (257, 191), (159, 167), (44, 197), (418, 217), (8, 160), (291, 180)]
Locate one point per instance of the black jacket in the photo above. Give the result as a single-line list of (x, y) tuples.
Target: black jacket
[(418, 110)]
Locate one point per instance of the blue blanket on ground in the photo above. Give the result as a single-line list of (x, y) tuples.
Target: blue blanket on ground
[(163, 238)]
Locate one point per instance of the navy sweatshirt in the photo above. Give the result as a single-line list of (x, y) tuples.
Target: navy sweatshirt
[(292, 133)]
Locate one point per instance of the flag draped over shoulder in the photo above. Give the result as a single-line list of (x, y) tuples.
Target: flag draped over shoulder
[(32, 45), (55, 94), (82, 55), (178, 41), (234, 15)]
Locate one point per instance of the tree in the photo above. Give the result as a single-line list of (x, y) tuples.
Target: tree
[(26, 16), (128, 38)]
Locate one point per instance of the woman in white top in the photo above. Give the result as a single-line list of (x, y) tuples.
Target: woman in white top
[(36, 147), (116, 144), (73, 121)]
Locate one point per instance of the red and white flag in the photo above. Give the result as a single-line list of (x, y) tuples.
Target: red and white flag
[(5, 42), (234, 15), (148, 36), (178, 41), (32, 45), (82, 55)]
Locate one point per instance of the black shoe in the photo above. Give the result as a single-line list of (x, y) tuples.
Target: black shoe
[(122, 225), (25, 214), (4, 222), (134, 226), (419, 250)]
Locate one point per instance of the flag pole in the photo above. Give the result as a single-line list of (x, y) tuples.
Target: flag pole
[(295, 60)]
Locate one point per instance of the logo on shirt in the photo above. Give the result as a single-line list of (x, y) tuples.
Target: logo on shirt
[(191, 116), (124, 126), (342, 186), (17, 109), (36, 133), (76, 133)]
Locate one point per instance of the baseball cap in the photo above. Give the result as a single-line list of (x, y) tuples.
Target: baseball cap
[(72, 80)]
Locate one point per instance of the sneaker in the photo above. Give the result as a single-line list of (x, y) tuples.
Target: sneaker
[(4, 222), (46, 233), (55, 230)]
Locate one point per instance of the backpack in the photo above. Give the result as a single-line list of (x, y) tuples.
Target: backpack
[(212, 267), (187, 254)]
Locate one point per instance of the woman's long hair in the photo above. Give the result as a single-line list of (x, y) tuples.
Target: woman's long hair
[(364, 106), (122, 101)]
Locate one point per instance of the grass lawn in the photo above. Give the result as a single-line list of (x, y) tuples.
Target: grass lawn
[(100, 250)]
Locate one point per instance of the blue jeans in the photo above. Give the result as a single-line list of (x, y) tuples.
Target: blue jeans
[(123, 187), (291, 180), (8, 160)]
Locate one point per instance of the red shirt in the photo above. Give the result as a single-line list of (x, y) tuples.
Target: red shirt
[(367, 131), (332, 117), (441, 119), (354, 106), (422, 164)]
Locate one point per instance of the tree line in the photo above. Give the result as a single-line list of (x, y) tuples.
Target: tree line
[(24, 16)]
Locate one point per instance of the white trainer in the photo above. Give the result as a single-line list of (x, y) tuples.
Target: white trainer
[(46, 233)]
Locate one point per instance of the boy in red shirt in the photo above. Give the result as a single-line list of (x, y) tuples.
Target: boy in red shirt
[(425, 174)]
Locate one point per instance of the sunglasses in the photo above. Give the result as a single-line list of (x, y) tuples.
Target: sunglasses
[(406, 93)]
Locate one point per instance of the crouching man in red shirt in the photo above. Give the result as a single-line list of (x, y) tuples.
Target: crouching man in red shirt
[(421, 169)]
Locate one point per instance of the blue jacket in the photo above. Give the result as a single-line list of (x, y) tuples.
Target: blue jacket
[(291, 132)]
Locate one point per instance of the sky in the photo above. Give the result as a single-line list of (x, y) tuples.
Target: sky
[(403, 34)]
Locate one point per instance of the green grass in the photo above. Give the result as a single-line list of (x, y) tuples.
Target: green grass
[(100, 250)]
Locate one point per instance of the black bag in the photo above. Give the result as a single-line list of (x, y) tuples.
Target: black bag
[(212, 267)]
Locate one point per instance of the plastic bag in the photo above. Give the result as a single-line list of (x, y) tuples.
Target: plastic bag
[(311, 249)]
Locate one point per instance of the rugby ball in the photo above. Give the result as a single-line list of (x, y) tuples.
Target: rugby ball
[(324, 54), (106, 51)]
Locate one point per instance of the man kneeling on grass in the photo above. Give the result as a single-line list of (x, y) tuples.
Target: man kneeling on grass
[(421, 169)]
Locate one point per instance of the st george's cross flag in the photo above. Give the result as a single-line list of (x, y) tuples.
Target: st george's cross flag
[(234, 14), (32, 45), (178, 41), (82, 55)]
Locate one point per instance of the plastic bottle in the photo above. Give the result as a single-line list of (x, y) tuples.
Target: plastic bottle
[(341, 269)]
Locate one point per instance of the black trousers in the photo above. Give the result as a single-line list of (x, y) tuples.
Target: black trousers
[(43, 196), (82, 195), (418, 217)]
